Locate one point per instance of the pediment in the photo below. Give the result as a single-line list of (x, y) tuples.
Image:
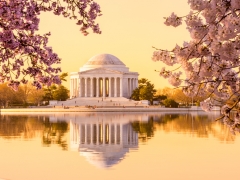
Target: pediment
[(101, 71)]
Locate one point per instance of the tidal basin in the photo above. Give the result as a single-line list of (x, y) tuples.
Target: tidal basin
[(117, 145)]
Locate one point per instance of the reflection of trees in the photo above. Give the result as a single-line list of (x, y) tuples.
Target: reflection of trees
[(31, 126), (197, 125), (166, 118), (20, 126), (53, 133), (145, 130), (185, 123)]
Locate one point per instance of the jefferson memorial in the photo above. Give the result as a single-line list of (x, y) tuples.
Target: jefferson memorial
[(103, 75), (104, 139)]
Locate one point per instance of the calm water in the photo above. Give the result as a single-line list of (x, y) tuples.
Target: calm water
[(119, 146)]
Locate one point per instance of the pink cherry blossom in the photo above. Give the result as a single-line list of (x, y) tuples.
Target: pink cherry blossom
[(23, 52), (210, 60)]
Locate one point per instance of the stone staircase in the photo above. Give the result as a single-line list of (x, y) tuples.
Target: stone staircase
[(100, 102)]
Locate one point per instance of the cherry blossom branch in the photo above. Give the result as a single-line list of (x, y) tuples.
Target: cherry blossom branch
[(23, 52)]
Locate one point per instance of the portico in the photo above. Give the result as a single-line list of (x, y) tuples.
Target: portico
[(103, 75)]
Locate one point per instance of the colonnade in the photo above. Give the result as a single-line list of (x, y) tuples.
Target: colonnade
[(101, 133), (102, 86), (74, 87), (132, 83)]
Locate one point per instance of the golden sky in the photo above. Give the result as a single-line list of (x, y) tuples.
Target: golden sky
[(129, 30)]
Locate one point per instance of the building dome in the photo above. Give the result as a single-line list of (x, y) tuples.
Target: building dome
[(104, 158), (104, 61)]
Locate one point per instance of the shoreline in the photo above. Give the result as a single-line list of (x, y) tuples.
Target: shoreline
[(105, 109)]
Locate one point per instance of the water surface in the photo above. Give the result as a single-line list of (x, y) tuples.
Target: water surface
[(117, 146)]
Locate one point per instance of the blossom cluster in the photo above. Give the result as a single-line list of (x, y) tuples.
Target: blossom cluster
[(25, 53), (207, 105), (210, 60), (173, 20), (232, 122)]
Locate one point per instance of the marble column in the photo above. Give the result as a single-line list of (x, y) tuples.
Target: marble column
[(97, 125), (121, 89), (134, 83), (91, 87), (115, 133), (75, 87), (103, 132), (91, 141), (131, 86), (74, 84), (110, 131), (97, 87), (80, 87), (115, 87), (85, 126), (121, 136), (110, 87), (70, 88), (85, 87), (129, 89), (104, 87), (129, 135)]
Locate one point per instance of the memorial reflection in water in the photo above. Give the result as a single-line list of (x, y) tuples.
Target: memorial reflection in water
[(190, 145), (103, 141)]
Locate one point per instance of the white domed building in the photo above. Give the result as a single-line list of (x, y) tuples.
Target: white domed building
[(104, 139), (103, 75)]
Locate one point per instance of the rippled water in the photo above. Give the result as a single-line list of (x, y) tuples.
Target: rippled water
[(117, 146)]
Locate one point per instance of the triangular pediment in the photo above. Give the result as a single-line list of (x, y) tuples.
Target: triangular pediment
[(101, 71)]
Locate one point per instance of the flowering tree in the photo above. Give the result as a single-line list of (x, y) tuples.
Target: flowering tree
[(23, 52), (210, 60)]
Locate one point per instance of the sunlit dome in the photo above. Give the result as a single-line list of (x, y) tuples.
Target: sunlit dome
[(104, 156), (104, 61)]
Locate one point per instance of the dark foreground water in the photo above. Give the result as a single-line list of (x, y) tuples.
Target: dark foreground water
[(117, 146)]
